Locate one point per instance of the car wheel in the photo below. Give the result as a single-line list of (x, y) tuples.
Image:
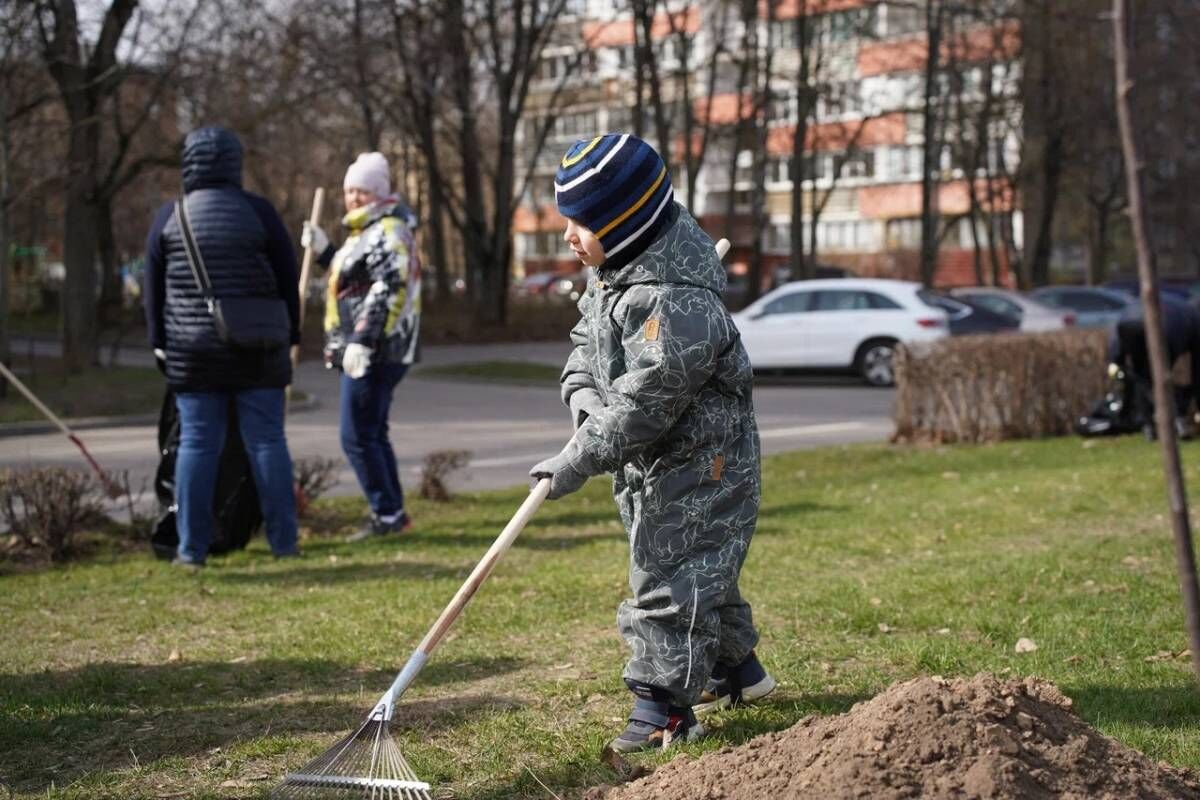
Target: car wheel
[(874, 362)]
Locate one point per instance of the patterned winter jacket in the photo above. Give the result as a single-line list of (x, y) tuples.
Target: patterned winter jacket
[(661, 354), (374, 292)]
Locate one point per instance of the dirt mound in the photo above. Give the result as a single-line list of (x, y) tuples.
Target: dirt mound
[(927, 738)]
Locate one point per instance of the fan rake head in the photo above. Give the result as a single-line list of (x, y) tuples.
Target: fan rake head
[(366, 765)]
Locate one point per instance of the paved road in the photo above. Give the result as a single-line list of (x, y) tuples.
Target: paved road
[(506, 428)]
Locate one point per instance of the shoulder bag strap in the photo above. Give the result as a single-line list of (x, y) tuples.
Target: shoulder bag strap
[(193, 253)]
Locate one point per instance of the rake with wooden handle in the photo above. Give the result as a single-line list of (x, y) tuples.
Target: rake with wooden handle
[(368, 763), (110, 487)]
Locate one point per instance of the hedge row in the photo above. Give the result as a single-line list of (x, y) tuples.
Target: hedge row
[(989, 388)]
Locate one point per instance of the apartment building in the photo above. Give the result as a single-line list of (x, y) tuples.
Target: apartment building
[(864, 138)]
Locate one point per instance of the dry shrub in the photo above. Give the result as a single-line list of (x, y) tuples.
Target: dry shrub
[(990, 388), (44, 507), (438, 465), (315, 475)]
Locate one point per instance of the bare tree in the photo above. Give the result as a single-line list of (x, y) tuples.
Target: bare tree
[(932, 116), (418, 47), (698, 129), (816, 94), (495, 48), (103, 128), (764, 96), (1164, 406), (20, 95)]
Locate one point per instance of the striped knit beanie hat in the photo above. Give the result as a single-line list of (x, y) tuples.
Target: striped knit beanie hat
[(616, 186)]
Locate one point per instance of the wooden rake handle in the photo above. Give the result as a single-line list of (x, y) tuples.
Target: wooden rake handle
[(306, 266), (110, 487), (484, 568)]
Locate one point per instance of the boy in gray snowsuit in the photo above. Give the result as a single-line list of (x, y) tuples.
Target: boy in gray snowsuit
[(659, 388)]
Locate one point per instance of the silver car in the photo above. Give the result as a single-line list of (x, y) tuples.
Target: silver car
[(1093, 307), (1030, 314)]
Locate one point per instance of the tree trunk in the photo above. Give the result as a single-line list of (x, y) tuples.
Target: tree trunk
[(1164, 406), (78, 303), (437, 228), (362, 89), (931, 152), (475, 242), (110, 279), (802, 265), (762, 125), (1050, 175), (5, 226), (1098, 257), (495, 308)]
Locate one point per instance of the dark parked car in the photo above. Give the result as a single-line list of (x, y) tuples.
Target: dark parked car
[(967, 316), (1185, 287)]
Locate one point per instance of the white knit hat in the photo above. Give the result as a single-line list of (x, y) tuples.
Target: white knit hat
[(369, 171)]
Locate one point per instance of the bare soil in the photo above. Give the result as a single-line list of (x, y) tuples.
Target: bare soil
[(927, 738)]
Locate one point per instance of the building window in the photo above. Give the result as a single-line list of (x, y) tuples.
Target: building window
[(903, 234), (779, 170), (901, 20)]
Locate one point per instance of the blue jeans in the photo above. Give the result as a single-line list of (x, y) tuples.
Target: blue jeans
[(203, 417), (366, 402)]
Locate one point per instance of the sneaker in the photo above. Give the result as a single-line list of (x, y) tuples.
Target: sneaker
[(656, 726), (190, 566), (376, 526), (741, 685)]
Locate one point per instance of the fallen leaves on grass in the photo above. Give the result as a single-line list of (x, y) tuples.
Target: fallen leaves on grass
[(1025, 645)]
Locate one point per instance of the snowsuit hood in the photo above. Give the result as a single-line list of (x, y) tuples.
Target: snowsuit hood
[(684, 256)]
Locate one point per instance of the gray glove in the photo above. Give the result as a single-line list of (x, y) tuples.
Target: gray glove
[(585, 403), (567, 471)]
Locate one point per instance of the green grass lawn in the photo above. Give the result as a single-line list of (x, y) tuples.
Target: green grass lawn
[(519, 372), (121, 677), (96, 392)]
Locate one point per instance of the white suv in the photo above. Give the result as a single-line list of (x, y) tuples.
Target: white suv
[(841, 323)]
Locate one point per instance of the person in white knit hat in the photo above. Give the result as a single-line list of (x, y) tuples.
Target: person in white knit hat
[(372, 326)]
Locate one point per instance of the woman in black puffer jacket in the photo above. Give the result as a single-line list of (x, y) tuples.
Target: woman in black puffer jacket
[(247, 253)]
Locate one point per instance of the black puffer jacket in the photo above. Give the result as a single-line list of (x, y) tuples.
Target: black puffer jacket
[(246, 251)]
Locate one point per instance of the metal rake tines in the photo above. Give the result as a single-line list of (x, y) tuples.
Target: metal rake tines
[(367, 764)]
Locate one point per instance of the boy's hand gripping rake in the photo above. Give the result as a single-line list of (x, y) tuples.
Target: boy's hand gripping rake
[(367, 763)]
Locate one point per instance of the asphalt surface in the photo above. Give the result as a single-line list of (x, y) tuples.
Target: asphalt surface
[(507, 428)]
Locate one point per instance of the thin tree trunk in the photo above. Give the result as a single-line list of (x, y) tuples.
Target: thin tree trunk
[(1051, 175), (474, 243), (802, 265), (1164, 405), (437, 203), (931, 155), (5, 226), (362, 90), (762, 125), (106, 250)]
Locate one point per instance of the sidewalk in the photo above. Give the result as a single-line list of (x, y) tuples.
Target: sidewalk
[(318, 384)]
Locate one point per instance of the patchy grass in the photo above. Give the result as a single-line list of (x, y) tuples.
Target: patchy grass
[(95, 392), (519, 372), (122, 677)]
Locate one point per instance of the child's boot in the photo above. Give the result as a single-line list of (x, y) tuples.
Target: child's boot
[(655, 723), (734, 686)]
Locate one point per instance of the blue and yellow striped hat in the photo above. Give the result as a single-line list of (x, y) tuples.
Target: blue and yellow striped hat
[(616, 186)]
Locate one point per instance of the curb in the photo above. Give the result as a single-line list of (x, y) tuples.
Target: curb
[(35, 427)]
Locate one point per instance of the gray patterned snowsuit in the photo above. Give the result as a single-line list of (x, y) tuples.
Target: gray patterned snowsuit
[(677, 430)]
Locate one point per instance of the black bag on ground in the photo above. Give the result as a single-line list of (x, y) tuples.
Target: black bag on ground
[(236, 514)]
